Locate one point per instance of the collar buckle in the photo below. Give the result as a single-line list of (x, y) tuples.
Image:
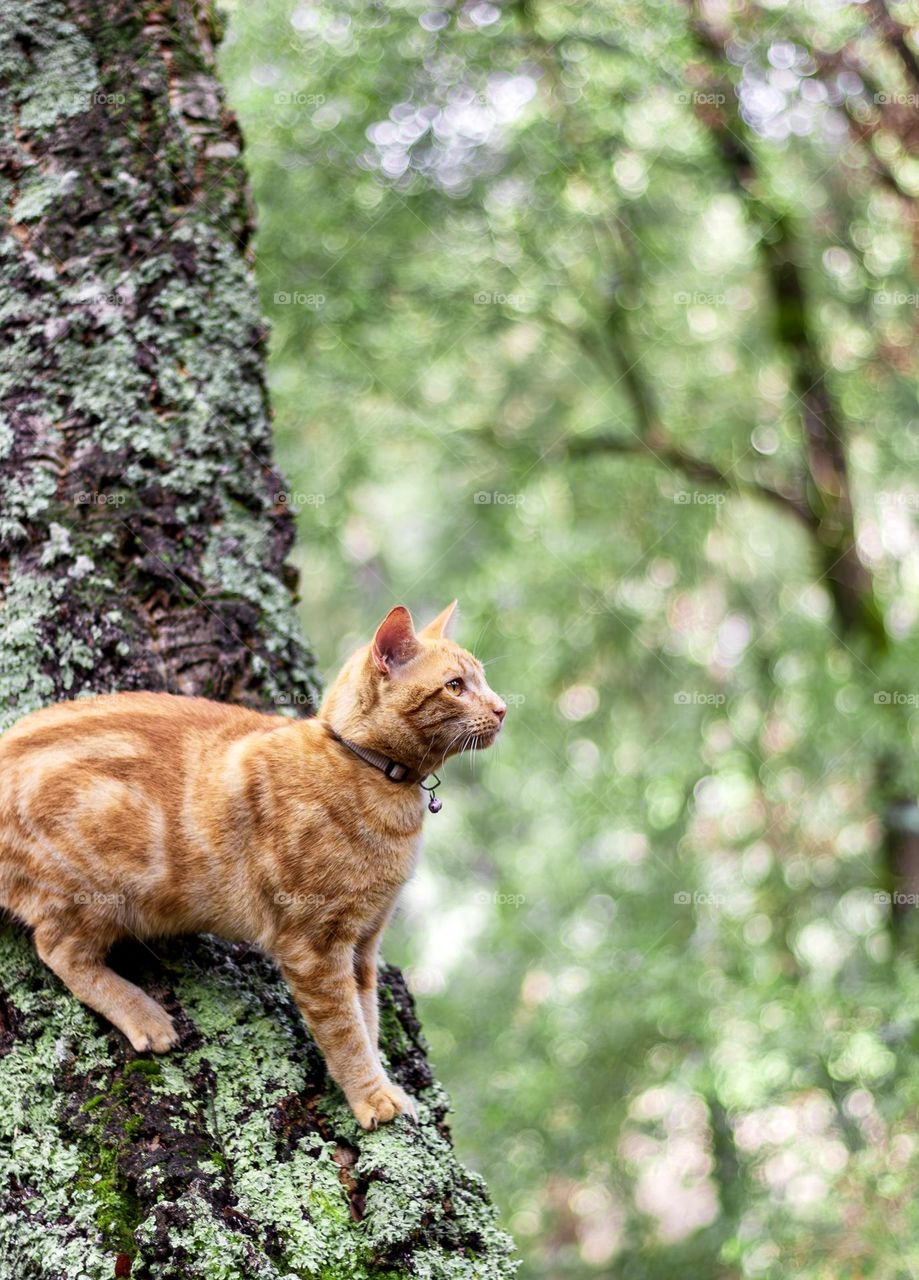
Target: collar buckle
[(394, 770)]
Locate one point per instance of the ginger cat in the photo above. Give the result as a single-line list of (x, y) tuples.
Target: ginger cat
[(147, 814)]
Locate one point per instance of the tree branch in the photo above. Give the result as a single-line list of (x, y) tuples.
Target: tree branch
[(823, 429), (702, 470), (895, 35)]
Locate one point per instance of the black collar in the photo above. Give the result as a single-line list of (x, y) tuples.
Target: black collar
[(394, 770), (391, 769)]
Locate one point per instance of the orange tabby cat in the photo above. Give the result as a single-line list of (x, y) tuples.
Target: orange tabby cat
[(149, 814)]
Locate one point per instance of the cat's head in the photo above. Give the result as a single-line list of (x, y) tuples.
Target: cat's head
[(416, 696)]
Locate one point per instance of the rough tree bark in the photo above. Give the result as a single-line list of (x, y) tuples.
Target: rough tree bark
[(142, 545)]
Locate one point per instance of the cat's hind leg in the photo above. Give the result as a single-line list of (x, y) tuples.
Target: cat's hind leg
[(79, 962)]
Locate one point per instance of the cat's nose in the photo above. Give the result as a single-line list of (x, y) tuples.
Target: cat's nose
[(500, 710)]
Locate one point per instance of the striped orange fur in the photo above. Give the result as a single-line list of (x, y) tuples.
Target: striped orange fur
[(147, 814)]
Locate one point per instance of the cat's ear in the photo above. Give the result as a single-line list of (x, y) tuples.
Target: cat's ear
[(395, 641), (442, 625)]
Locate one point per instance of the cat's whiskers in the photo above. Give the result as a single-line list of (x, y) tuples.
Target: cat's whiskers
[(446, 752), (466, 736)]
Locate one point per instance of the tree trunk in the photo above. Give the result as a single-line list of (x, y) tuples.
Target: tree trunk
[(858, 616), (143, 533)]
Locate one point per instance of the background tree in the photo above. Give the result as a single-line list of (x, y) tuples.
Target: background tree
[(616, 309), (144, 536)]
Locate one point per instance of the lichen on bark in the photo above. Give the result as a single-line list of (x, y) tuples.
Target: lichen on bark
[(142, 545), (230, 1157), (135, 444)]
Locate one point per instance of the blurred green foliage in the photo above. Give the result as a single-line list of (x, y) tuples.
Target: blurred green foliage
[(652, 934)]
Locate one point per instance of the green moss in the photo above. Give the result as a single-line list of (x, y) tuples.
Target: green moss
[(392, 1032), (92, 1103), (148, 1066), (61, 1234), (278, 1160), (118, 1211)]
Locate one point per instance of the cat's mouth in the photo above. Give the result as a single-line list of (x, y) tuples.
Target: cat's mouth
[(473, 740)]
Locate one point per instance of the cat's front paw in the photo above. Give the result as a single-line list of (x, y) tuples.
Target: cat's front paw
[(381, 1105), (149, 1027)]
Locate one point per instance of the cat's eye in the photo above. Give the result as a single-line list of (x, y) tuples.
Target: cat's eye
[(455, 686)]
